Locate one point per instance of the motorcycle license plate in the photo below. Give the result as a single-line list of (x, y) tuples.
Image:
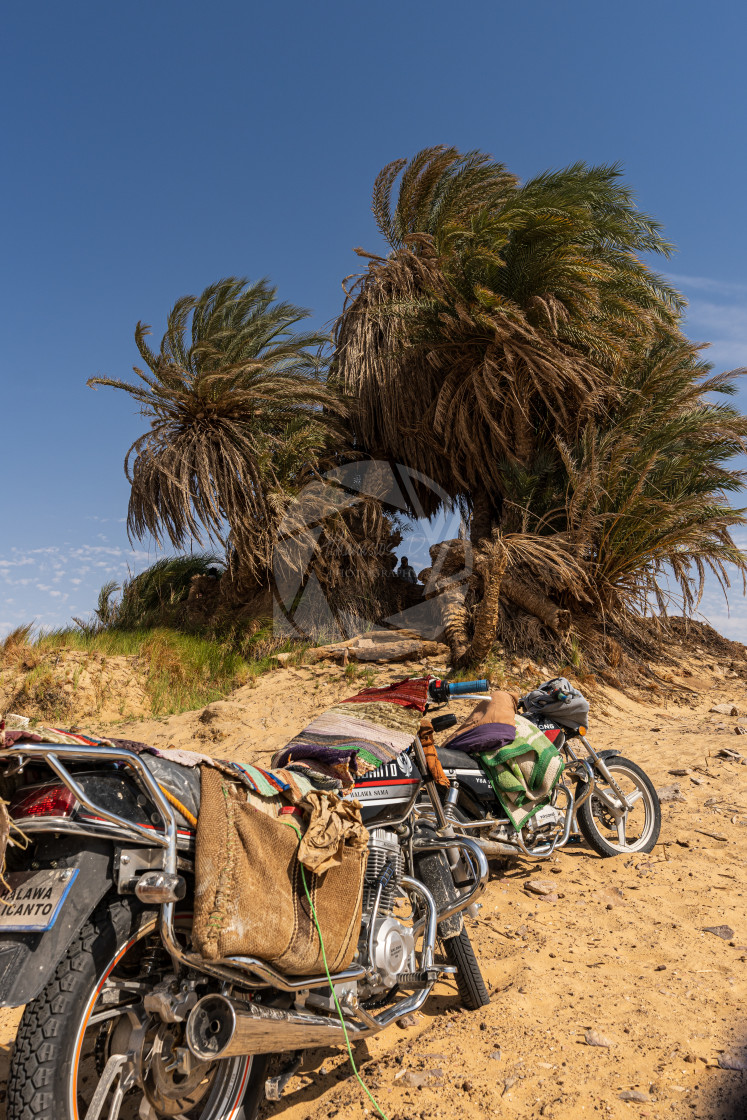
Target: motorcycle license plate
[(34, 900)]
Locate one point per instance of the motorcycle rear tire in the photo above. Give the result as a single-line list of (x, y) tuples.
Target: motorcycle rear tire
[(45, 1073)]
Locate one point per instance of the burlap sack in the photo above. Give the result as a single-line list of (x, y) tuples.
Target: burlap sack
[(250, 898)]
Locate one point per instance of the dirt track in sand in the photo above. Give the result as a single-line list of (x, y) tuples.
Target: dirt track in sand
[(622, 951)]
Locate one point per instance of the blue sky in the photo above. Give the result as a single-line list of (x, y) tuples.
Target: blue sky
[(151, 148)]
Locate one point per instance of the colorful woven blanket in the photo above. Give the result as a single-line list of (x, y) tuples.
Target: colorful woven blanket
[(41, 734), (291, 786), (359, 734), (523, 774)]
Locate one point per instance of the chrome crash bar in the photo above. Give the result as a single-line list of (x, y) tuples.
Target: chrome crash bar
[(478, 865), (53, 753)]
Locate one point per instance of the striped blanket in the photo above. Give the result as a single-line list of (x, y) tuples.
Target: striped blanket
[(359, 734), (292, 787)]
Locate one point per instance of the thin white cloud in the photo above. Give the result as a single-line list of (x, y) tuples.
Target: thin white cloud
[(723, 325), (708, 284), (717, 315), (57, 573)]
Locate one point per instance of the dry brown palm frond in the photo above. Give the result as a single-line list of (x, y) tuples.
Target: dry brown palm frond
[(237, 408), (335, 547), (502, 313), (444, 390)]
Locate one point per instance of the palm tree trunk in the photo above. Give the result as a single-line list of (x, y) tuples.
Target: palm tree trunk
[(455, 615), (486, 516), (488, 609)]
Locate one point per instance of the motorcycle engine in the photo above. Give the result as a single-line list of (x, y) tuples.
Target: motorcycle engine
[(393, 947), (542, 825)]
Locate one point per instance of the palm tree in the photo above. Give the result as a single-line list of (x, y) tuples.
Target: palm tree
[(647, 490), (514, 347), (501, 312), (238, 409), (640, 504)]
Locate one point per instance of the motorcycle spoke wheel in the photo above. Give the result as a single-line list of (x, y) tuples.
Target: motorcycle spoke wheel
[(612, 828), (87, 1049)]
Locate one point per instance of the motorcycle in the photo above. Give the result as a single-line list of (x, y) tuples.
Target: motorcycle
[(122, 1018), (604, 798)]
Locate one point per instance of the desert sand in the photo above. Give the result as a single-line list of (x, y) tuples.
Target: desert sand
[(621, 958)]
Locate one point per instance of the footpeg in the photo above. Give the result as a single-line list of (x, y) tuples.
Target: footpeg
[(423, 979)]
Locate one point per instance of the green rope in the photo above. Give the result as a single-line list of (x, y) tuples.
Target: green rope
[(337, 1002)]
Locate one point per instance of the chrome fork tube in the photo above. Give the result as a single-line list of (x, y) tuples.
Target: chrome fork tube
[(604, 771), (590, 784)]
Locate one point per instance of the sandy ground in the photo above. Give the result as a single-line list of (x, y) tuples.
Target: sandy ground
[(622, 952)]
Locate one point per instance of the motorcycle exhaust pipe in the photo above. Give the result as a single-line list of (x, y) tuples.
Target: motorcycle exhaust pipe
[(218, 1028), (496, 848)]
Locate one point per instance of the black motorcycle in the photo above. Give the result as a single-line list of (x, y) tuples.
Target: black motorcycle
[(603, 798), (123, 1020)]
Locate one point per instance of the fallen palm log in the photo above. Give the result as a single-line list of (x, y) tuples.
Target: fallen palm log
[(535, 602), (380, 645)]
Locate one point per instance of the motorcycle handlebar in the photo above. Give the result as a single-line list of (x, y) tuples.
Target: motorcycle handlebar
[(443, 690)]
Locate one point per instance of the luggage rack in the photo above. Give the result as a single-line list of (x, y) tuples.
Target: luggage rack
[(110, 823)]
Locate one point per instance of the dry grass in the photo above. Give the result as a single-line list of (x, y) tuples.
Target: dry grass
[(177, 672)]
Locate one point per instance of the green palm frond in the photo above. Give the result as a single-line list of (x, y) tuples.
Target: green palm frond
[(648, 487)]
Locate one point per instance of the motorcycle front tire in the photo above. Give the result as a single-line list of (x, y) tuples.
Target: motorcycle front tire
[(471, 986), (632, 774), (434, 872)]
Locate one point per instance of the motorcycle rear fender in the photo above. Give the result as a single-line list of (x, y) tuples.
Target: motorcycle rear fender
[(28, 960)]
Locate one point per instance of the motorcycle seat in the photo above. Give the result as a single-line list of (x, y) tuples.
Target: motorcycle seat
[(456, 760)]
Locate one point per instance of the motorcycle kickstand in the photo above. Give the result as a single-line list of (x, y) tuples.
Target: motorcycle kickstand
[(274, 1086)]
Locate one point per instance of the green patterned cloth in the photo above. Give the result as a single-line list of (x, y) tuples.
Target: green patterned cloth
[(523, 774)]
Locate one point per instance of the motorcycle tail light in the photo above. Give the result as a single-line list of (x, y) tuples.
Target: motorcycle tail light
[(42, 801)]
